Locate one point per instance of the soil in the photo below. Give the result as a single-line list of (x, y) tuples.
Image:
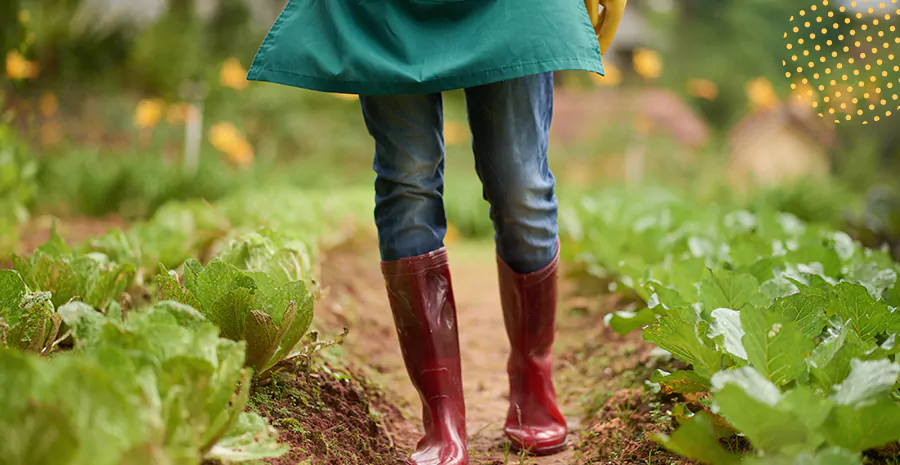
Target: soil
[(609, 372), (331, 416)]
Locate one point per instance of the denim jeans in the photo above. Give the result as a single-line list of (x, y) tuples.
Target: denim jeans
[(510, 124)]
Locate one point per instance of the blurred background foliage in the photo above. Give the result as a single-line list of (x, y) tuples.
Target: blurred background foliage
[(113, 107)]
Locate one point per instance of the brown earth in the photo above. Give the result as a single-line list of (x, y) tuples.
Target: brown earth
[(329, 416), (607, 381)]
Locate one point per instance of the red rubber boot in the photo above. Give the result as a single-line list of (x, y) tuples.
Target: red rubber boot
[(534, 423), (424, 311)]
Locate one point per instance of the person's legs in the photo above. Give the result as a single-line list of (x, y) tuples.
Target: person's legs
[(510, 123), (409, 213), (409, 167)]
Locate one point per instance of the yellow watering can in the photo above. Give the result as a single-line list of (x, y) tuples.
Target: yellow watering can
[(607, 21)]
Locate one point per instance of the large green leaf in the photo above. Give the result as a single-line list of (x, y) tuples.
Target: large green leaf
[(244, 442), (866, 316), (778, 287), (727, 331), (864, 426), (806, 309), (231, 311), (168, 288), (726, 289), (247, 306), (747, 251), (867, 380), (211, 283), (865, 415), (295, 324), (874, 278), (756, 407), (665, 296), (829, 362), (679, 275), (266, 252), (827, 257), (678, 334), (696, 440), (774, 345), (12, 288), (626, 321)]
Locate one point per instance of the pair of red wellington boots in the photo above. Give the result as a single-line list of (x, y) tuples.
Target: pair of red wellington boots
[(421, 297)]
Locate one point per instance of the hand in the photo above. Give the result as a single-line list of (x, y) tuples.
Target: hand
[(607, 21)]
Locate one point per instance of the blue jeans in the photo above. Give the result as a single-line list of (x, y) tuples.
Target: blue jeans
[(510, 123)]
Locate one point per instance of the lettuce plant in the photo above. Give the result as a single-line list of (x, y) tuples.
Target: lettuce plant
[(162, 387), (790, 328), (264, 251), (251, 306), (28, 320), (91, 278)]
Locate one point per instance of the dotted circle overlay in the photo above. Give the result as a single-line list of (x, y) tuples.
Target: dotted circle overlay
[(843, 58)]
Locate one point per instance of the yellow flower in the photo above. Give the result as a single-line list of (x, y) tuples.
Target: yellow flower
[(613, 76), (17, 67), (49, 104), (233, 75), (647, 63), (148, 113), (703, 88), (24, 16), (455, 133), (227, 139), (761, 93)]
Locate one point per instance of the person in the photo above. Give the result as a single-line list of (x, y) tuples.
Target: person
[(398, 56)]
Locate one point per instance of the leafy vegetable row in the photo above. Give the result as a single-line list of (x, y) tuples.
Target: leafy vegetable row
[(789, 327), (170, 380)]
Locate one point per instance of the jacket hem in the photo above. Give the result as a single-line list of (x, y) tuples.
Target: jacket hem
[(259, 72)]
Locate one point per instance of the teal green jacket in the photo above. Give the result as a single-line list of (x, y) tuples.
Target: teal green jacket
[(378, 47)]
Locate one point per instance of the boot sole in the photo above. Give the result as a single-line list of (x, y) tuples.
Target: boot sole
[(540, 451)]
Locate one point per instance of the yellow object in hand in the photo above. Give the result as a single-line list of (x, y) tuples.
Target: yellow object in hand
[(605, 22)]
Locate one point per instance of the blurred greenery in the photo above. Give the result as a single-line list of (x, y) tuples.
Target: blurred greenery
[(108, 101), (733, 42)]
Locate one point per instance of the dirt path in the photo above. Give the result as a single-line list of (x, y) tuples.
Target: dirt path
[(483, 342)]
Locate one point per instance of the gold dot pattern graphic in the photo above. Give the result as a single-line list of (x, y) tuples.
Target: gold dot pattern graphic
[(845, 62)]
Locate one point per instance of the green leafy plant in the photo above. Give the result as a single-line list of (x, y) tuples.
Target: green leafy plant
[(248, 306), (28, 320), (159, 388), (91, 277), (789, 326), (265, 251)]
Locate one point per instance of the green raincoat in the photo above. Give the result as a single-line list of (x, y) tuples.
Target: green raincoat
[(377, 47)]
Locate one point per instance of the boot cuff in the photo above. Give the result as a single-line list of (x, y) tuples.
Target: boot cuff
[(417, 264), (535, 276)]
